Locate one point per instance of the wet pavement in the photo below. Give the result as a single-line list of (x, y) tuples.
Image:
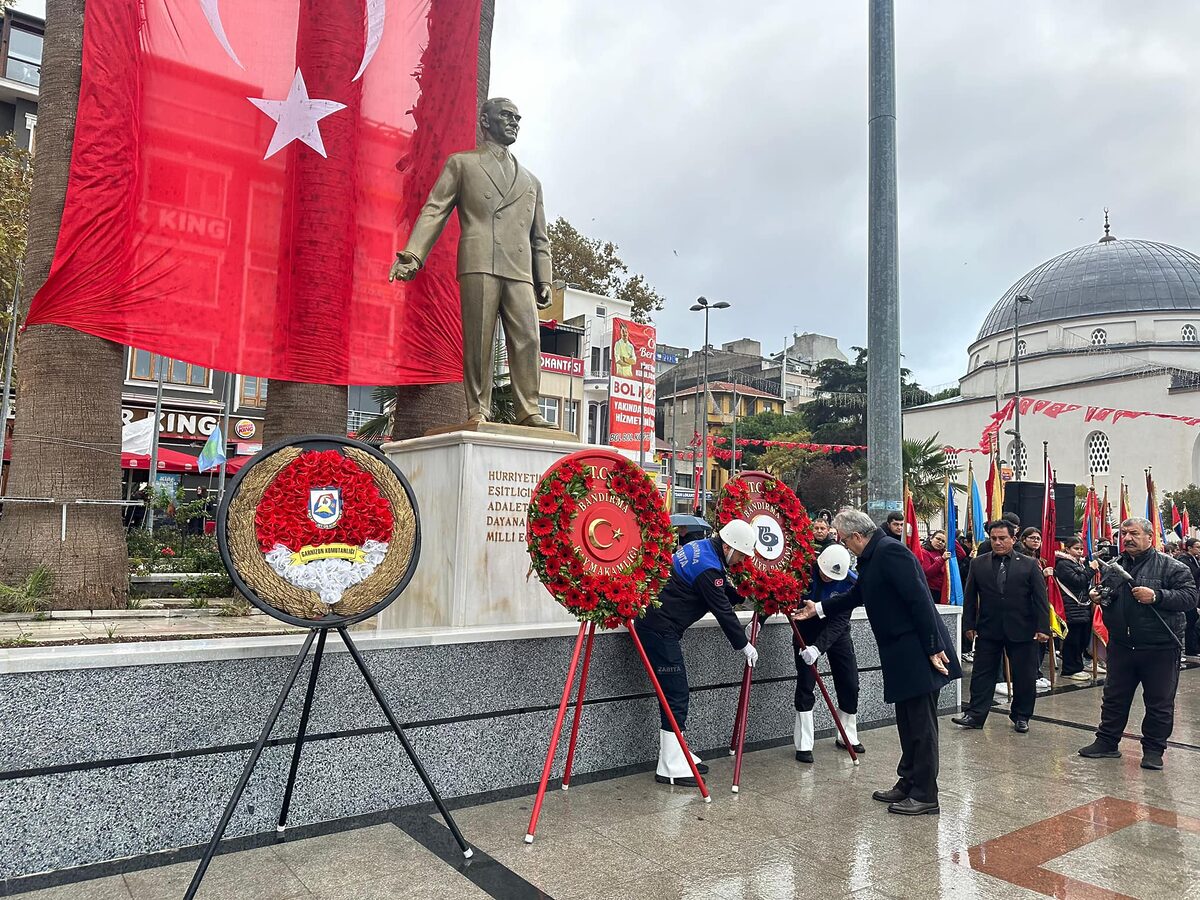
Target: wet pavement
[(1022, 816)]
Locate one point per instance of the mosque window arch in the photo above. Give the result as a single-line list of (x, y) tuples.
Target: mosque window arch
[(1188, 333), (1099, 453), (1022, 347), (1099, 337)]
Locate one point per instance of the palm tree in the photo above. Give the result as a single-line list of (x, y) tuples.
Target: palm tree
[(420, 407), (67, 439), (926, 467)]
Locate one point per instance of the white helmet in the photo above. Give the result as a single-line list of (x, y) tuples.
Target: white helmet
[(740, 535), (834, 562)]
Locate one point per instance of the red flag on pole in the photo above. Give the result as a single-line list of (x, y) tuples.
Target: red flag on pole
[(240, 183), (1058, 612), (1176, 521), (912, 538), (1187, 524)]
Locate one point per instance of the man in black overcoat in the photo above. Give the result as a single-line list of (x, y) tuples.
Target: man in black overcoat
[(915, 652), (1005, 611)]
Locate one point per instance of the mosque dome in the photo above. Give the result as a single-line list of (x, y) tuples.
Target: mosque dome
[(1111, 276)]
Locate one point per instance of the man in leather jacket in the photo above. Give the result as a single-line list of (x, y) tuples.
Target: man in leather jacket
[(1145, 619)]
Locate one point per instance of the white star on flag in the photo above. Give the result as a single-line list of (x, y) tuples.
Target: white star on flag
[(296, 117)]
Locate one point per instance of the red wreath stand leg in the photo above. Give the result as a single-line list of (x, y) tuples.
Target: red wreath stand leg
[(837, 720), (590, 630), (737, 744)]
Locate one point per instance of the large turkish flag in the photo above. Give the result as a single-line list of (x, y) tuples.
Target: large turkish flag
[(242, 176)]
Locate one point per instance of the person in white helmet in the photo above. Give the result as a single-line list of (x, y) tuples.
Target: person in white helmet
[(699, 584), (828, 637)]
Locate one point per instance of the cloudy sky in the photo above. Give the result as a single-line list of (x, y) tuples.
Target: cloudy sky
[(724, 148)]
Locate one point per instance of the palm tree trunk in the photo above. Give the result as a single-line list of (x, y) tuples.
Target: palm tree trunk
[(294, 409), (67, 439), (420, 407)]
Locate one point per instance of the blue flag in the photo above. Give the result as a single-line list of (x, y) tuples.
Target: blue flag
[(954, 595), (978, 519), (213, 454)]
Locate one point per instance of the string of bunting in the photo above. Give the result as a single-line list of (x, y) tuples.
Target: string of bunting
[(1056, 408)]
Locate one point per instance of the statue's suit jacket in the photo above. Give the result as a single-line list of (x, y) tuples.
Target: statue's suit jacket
[(503, 228)]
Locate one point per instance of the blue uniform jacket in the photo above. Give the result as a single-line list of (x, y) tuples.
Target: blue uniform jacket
[(698, 585)]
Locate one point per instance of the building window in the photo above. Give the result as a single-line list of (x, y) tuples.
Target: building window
[(143, 366), (571, 408), (601, 312), (1022, 347), (254, 391), (548, 407), (24, 63), (952, 459), (975, 362), (1188, 334), (1099, 337), (1097, 453), (1020, 462)]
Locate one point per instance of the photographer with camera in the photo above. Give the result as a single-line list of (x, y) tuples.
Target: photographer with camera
[(1144, 596)]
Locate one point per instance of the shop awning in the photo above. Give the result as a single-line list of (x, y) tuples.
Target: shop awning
[(168, 461)]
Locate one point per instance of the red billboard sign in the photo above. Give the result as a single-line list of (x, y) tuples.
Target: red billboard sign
[(631, 389)]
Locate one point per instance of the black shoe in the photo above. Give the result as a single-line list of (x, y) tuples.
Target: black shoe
[(966, 720), (1152, 759), (1097, 750), (895, 795), (688, 781), (910, 806), (1021, 726), (858, 748), (804, 756)]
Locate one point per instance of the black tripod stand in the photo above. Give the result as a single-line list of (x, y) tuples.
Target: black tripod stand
[(318, 634)]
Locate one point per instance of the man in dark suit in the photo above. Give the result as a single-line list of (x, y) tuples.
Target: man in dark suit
[(1005, 610), (915, 652)]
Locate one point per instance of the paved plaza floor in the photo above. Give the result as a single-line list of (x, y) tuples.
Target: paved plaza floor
[(1022, 816)]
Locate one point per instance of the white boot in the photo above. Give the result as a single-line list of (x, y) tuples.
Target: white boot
[(850, 726), (803, 736), (673, 766)]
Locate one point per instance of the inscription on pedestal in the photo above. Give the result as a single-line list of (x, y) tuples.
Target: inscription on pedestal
[(508, 501)]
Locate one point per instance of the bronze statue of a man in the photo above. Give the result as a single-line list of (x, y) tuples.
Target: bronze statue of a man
[(504, 266)]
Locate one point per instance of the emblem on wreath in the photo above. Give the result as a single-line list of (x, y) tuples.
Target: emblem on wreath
[(318, 530)]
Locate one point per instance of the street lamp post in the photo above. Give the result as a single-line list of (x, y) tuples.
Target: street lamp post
[(1017, 301), (703, 304)]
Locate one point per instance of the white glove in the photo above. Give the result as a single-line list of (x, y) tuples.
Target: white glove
[(809, 654), (749, 628), (751, 655)]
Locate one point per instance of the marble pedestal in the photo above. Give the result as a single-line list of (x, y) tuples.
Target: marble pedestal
[(473, 489)]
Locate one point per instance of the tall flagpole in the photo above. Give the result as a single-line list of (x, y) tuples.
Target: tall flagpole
[(230, 380), (10, 344), (162, 374)]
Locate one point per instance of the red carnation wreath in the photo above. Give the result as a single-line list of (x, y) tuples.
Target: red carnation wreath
[(601, 572), (778, 575), (323, 524)]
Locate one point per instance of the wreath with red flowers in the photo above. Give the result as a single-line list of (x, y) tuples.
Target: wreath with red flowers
[(282, 516), (606, 598), (770, 587)]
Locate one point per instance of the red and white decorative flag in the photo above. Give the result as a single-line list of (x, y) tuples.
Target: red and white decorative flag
[(243, 173)]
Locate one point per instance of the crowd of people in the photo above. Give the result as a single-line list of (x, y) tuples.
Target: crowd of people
[(1148, 601)]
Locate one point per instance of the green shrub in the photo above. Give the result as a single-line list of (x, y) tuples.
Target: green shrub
[(206, 586), (30, 595)]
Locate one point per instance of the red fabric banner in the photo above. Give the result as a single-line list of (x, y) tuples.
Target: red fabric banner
[(239, 185)]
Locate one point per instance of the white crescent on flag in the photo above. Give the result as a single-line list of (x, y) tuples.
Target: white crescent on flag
[(376, 15)]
